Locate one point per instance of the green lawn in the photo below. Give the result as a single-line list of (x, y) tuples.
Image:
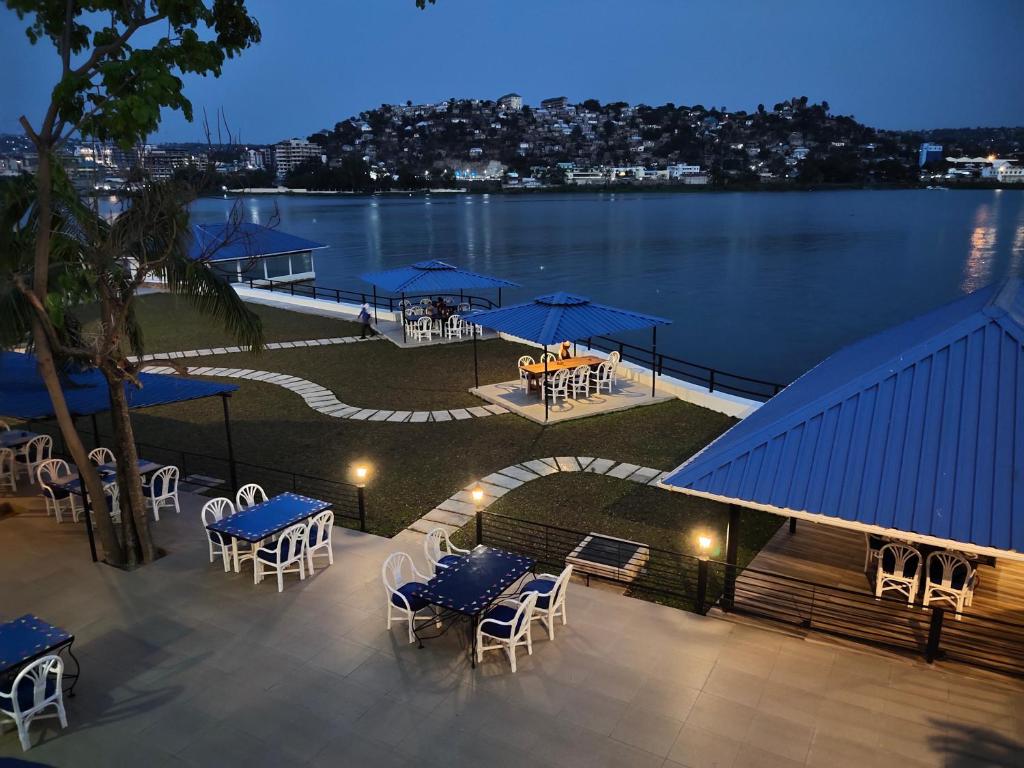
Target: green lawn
[(417, 466)]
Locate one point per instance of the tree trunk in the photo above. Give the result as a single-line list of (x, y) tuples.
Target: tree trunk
[(133, 503), (48, 370)]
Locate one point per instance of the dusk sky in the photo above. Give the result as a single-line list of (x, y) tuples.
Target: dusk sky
[(906, 64)]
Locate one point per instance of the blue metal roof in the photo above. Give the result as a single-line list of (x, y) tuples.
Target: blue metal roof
[(432, 277), (23, 395), (226, 242), (563, 316), (919, 429)]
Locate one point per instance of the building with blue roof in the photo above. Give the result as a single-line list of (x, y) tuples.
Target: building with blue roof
[(245, 252), (916, 432)]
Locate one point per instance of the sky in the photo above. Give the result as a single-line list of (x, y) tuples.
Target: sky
[(906, 64)]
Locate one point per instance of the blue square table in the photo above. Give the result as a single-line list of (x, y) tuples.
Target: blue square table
[(469, 587), (27, 638), (263, 520), (15, 438)]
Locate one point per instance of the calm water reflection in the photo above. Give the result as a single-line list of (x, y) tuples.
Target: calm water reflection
[(758, 283)]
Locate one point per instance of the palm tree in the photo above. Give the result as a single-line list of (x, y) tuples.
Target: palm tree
[(107, 263)]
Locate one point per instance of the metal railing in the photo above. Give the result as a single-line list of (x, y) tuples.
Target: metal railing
[(373, 299), (691, 583), (208, 472)]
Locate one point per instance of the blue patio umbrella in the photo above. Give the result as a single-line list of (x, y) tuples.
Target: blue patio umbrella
[(565, 316), (433, 276)]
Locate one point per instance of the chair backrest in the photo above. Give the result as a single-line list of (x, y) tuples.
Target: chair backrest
[(39, 448), (436, 545), (614, 357), (523, 612), (424, 323), (454, 322), (34, 678), (604, 371), (215, 509), (398, 569), (113, 493), (561, 587), (424, 302), (4, 426), (319, 529), (581, 375), (101, 455), (165, 481), (899, 560), (524, 360), (549, 356), (417, 311), (249, 495), (948, 569), (291, 544), (50, 469)]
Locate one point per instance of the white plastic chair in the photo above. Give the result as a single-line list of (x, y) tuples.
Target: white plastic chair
[(949, 577), (550, 591), (551, 357), (557, 385), (899, 570), (601, 377), (36, 688), (507, 626), (56, 500), (872, 545), (318, 536), (36, 450), (524, 377), (101, 456), (454, 327), (286, 555), (249, 495), (163, 489), (579, 381), (423, 329), (615, 358), (212, 512), (8, 470), (425, 303), (113, 493), (401, 583), (440, 551)]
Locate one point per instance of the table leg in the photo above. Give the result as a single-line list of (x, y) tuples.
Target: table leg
[(78, 669), (472, 643)]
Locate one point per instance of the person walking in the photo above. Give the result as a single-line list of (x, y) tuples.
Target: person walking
[(364, 320)]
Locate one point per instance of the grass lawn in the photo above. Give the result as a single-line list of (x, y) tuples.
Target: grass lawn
[(417, 466)]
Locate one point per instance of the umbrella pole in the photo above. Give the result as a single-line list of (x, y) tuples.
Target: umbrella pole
[(654, 358), (544, 385), (375, 321), (499, 297), (476, 368), (401, 316)]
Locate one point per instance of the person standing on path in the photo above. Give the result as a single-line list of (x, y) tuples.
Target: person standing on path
[(364, 320)]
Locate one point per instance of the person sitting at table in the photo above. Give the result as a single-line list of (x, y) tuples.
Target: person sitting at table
[(565, 351), (430, 311)]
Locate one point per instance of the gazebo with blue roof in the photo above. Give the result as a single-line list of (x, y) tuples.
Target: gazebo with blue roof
[(244, 251), (915, 433)]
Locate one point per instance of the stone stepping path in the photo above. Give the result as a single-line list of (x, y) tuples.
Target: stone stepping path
[(322, 400), (270, 345), (459, 510)]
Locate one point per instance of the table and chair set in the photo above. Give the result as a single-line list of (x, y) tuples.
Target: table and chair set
[(32, 677), (569, 378), (494, 591), (427, 319), (279, 535)]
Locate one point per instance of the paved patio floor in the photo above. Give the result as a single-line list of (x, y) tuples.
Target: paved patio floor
[(510, 395), (185, 665)]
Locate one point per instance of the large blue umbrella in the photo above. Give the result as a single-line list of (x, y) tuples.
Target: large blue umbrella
[(566, 317)]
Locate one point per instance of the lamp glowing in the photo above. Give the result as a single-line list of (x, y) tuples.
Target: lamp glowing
[(478, 495), (362, 472), (704, 544)]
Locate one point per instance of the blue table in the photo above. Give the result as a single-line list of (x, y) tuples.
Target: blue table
[(15, 438), (107, 473), (469, 587), (263, 520), (27, 638)]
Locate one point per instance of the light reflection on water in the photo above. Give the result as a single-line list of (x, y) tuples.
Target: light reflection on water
[(764, 284)]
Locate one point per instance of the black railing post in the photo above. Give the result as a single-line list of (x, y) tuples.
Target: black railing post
[(314, 291), (711, 380), (479, 526), (792, 525), (231, 448), (732, 537), (361, 502), (702, 587), (931, 651)]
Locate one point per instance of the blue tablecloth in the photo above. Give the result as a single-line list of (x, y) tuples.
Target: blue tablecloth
[(27, 638), (263, 520), (476, 581), (15, 438), (108, 476)]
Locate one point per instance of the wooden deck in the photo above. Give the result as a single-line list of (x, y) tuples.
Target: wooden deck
[(835, 557)]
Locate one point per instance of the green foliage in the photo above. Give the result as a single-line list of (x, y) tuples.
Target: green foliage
[(115, 91)]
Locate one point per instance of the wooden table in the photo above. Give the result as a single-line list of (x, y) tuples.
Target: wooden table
[(535, 371)]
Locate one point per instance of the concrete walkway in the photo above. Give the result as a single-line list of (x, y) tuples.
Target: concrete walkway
[(459, 509), (184, 665)]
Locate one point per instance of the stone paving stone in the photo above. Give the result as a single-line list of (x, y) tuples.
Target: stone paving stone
[(451, 505), (499, 478), (444, 516), (644, 475), (200, 371), (479, 411), (494, 491), (600, 466), (441, 415), (519, 473), (623, 471), (418, 417), (567, 464), (496, 409), (400, 416), (426, 526), (363, 414), (381, 416), (539, 467), (460, 413), (550, 461), (584, 462), (344, 411), (660, 477)]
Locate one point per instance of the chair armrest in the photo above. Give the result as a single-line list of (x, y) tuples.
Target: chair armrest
[(460, 551)]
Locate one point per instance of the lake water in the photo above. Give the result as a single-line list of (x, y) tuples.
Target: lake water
[(761, 284)]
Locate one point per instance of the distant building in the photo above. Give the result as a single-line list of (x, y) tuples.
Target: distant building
[(512, 101), (1010, 174), (291, 153), (476, 152), (161, 164), (250, 252), (929, 153), (556, 103)]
